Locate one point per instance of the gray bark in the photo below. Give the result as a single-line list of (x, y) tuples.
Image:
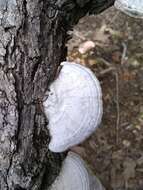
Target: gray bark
[(33, 34)]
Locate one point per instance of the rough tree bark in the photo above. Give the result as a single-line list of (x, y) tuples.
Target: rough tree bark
[(33, 34)]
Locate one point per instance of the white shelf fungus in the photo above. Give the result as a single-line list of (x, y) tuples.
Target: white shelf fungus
[(75, 175), (74, 106), (131, 7)]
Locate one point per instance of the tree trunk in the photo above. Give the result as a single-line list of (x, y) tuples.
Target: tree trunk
[(32, 45)]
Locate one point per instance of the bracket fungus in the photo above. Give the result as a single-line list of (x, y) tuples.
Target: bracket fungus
[(75, 175), (73, 107), (131, 7)]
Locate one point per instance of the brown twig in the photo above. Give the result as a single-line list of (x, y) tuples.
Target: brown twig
[(111, 69), (106, 63), (106, 71), (117, 107), (124, 53)]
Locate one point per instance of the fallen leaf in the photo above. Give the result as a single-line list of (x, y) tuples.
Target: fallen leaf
[(129, 170), (86, 46)]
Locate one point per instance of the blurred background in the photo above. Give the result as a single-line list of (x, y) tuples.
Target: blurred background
[(111, 45)]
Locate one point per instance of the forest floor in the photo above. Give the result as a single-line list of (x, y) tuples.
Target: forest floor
[(115, 151)]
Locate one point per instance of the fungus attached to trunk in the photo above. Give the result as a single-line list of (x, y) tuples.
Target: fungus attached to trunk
[(133, 8), (75, 175), (74, 106)]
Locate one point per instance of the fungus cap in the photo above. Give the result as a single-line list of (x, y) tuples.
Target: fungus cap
[(133, 8), (75, 175), (74, 106)]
